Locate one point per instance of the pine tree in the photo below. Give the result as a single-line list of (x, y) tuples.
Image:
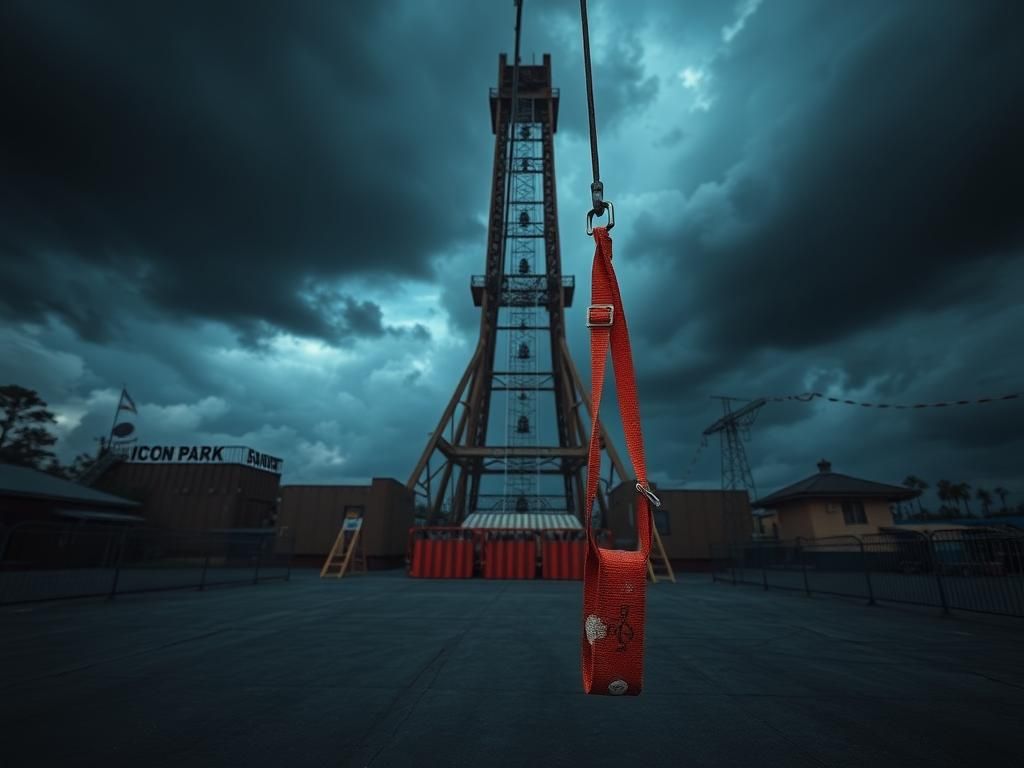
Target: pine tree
[(24, 437)]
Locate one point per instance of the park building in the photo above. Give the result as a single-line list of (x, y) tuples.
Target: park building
[(827, 504), (31, 496), (193, 487), (45, 521), (237, 488), (691, 523), (313, 514)]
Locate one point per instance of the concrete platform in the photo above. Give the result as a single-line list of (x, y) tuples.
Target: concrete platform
[(382, 670)]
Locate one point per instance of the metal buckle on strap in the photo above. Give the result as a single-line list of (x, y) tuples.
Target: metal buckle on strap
[(646, 491), (591, 323)]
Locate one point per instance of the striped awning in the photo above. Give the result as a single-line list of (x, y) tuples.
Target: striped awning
[(519, 521)]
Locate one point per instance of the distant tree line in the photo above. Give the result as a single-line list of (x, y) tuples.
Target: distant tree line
[(25, 437), (955, 501)]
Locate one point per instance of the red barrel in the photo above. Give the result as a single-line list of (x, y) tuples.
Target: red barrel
[(563, 551), (440, 553), (562, 554), (510, 554)]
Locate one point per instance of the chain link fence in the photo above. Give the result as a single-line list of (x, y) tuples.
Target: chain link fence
[(979, 569), (46, 561)]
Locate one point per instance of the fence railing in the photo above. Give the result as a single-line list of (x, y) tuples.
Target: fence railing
[(979, 569), (46, 561)]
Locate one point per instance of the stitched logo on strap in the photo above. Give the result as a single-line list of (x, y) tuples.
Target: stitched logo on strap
[(622, 630)]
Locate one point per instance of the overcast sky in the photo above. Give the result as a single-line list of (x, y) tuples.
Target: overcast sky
[(262, 219)]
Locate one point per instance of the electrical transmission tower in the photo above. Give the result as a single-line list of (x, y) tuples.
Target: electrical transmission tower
[(734, 430), (521, 385)]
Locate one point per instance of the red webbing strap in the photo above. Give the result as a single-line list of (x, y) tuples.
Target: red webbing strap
[(614, 581)]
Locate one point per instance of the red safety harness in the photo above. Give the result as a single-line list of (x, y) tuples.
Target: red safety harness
[(614, 581)]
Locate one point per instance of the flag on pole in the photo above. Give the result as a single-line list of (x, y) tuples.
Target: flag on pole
[(122, 430), (126, 404)]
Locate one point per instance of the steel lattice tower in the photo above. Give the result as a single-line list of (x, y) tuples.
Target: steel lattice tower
[(734, 429), (532, 400), (524, 228)]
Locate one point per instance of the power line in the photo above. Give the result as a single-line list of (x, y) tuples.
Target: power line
[(701, 445), (807, 397)]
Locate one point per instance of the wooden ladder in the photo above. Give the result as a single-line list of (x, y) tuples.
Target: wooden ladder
[(346, 555), (659, 557)]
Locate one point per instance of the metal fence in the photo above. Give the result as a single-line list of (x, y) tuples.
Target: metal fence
[(46, 561), (979, 569)]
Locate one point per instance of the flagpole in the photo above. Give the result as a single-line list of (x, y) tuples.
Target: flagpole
[(117, 411)]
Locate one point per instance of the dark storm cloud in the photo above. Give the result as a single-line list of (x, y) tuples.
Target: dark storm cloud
[(894, 186), (625, 89), (239, 149), (878, 198), (91, 298), (235, 151), (670, 138)]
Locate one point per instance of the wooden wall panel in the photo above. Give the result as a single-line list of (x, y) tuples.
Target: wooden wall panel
[(696, 519), (315, 512), (195, 496)]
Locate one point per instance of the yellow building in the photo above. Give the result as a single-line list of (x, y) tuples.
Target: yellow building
[(827, 504)]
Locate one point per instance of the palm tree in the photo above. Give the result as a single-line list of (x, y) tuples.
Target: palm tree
[(916, 483), (1002, 493), (945, 490), (963, 491), (985, 498), (954, 496), (922, 486), (955, 507)]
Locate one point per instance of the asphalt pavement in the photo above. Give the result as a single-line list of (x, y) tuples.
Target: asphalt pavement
[(382, 670)]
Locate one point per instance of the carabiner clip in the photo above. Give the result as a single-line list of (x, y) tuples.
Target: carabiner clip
[(646, 491), (594, 212)]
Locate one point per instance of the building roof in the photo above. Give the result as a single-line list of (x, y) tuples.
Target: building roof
[(521, 521), (826, 484), (24, 482), (99, 517)]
